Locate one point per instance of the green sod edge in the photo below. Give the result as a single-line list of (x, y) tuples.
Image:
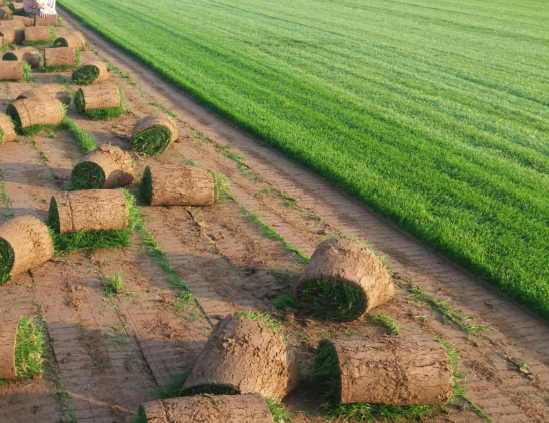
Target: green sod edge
[(27, 73), (53, 37), (85, 75), (534, 298), (12, 113), (64, 67), (152, 140), (99, 114)]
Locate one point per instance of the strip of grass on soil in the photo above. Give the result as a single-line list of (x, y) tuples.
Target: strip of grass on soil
[(432, 112)]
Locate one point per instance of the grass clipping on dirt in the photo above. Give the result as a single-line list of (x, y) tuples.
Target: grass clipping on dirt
[(99, 114), (66, 243)]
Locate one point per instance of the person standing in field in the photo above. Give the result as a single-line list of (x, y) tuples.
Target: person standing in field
[(41, 8)]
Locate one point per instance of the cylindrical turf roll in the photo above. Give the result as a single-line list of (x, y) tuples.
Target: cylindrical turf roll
[(344, 280), (60, 56), (88, 210), (8, 335), (28, 54), (11, 71), (7, 132), (50, 20), (99, 97), (105, 167), (246, 356), (174, 185), (397, 371), (91, 73), (153, 134), (16, 8), (38, 33), (23, 21), (249, 408), (8, 34), (5, 13), (34, 111), (74, 39), (24, 243), (47, 90)]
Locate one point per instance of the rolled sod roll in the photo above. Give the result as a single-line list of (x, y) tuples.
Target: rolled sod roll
[(8, 335), (8, 34), (5, 13), (105, 167), (50, 20), (38, 34), (396, 371), (245, 356), (46, 111), (23, 20), (91, 73), (28, 54), (249, 408), (101, 102), (17, 8), (13, 71), (7, 132), (74, 39), (344, 280), (61, 57), (43, 91), (153, 134), (173, 185), (24, 243)]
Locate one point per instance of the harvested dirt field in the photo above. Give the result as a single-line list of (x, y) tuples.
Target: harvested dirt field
[(107, 354)]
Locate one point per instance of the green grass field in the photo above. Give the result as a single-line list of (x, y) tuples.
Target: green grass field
[(432, 112)]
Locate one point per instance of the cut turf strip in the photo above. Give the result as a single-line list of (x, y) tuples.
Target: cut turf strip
[(105, 167), (25, 243), (237, 343), (153, 134), (34, 115), (344, 281), (100, 102), (91, 73)]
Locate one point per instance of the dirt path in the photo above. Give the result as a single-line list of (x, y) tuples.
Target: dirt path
[(109, 353)]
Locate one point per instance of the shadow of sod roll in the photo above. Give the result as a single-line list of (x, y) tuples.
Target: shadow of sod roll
[(153, 134), (243, 356), (105, 167), (7, 132), (91, 73), (39, 35), (61, 58), (100, 102), (34, 115), (248, 408), (389, 370), (343, 281), (74, 39), (27, 54), (25, 243)]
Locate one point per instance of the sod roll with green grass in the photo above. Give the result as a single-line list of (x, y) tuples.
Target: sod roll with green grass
[(248, 408), (247, 356), (153, 134), (176, 185), (7, 131), (14, 71), (74, 39), (91, 73), (344, 281), (88, 210), (21, 20), (8, 34), (5, 13), (105, 167), (17, 8), (34, 115), (24, 243), (397, 371), (100, 102), (27, 54), (39, 35), (50, 20), (61, 58)]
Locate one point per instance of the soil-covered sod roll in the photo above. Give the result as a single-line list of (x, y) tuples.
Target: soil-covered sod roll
[(8, 34), (74, 39), (243, 356), (24, 243), (61, 58), (153, 134), (15, 71), (28, 54), (7, 131), (396, 371), (17, 8), (34, 115), (91, 73), (46, 91), (88, 210), (249, 408), (105, 167), (100, 102), (50, 20), (175, 185), (25, 21), (344, 280), (39, 35), (5, 13)]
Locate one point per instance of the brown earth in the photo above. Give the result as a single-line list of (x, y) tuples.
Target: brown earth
[(107, 354)]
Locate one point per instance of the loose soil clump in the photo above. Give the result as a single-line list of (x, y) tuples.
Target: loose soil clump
[(174, 185), (61, 58), (24, 243), (88, 210), (28, 54), (8, 334), (244, 356), (100, 102), (33, 115), (153, 134), (249, 408), (74, 39), (91, 73), (105, 167), (7, 132), (344, 280)]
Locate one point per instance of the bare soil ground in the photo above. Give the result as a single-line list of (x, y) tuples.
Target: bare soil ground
[(109, 354)]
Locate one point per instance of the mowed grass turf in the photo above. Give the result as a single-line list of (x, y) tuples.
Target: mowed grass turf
[(432, 112)]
